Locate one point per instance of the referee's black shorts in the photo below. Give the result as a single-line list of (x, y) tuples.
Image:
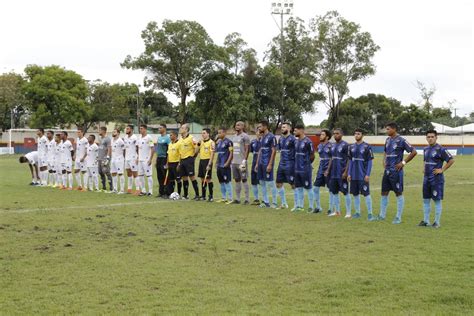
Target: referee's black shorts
[(187, 167), (203, 163)]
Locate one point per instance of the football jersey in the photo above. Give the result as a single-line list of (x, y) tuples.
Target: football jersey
[(303, 151), (118, 148), (338, 159), (434, 156), (267, 143), (162, 145), (65, 150), (186, 147), (224, 150), (206, 148), (130, 147), (32, 157), (57, 152), (394, 148), (145, 147), (286, 145), (92, 155), (239, 141), (81, 144), (104, 145), (173, 152), (324, 151), (359, 156), (51, 150), (42, 147), (254, 148)]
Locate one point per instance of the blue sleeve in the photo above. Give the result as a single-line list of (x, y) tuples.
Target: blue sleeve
[(445, 155), (350, 167), (369, 167), (168, 140), (273, 141), (406, 145)]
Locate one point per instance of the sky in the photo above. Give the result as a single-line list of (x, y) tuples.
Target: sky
[(429, 41)]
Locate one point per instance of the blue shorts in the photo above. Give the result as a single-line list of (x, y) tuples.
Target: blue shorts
[(433, 190), (392, 181), (224, 175), (303, 179), (321, 180), (262, 173), (286, 175), (360, 187), (338, 185)]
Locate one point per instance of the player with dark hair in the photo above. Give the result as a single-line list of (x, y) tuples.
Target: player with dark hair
[(254, 149), (241, 142), (171, 166), (224, 159), (286, 166), (394, 163), (265, 162), (161, 154), (434, 155), (207, 148), (32, 159), (42, 156), (187, 151), (322, 175), (304, 157), (360, 167)]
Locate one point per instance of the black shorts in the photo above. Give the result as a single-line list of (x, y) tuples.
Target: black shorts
[(303, 179), (173, 174), (224, 175), (360, 187), (392, 181), (321, 180), (186, 167), (338, 185), (254, 177), (286, 175), (432, 189), (203, 163)]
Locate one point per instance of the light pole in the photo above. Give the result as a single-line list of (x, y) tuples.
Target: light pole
[(138, 107), (281, 8), (374, 116)]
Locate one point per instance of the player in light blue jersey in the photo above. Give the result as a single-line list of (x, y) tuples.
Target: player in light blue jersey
[(433, 181)]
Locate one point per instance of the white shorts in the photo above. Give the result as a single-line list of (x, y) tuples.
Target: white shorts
[(92, 171), (145, 169), (51, 165), (78, 165), (57, 167), (116, 166), (42, 162), (131, 165), (66, 166)]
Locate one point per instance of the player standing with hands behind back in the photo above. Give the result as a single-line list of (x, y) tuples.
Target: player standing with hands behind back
[(393, 164)]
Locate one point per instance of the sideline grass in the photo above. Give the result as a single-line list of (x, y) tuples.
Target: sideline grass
[(72, 252)]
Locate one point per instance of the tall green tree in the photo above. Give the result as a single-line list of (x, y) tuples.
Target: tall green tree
[(177, 56), (12, 100), (56, 96), (413, 120), (344, 55)]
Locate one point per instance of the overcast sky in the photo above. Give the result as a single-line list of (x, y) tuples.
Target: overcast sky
[(430, 41)]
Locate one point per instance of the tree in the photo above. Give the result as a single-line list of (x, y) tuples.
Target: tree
[(158, 104), (222, 93), (56, 96), (413, 120), (344, 54), (12, 100), (234, 46), (176, 58), (426, 95), (291, 59)]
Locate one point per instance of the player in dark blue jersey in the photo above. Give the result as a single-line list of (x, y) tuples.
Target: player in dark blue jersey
[(286, 167), (224, 151), (322, 176), (304, 157), (265, 161), (433, 181), (393, 163), (338, 174), (360, 167), (254, 149)]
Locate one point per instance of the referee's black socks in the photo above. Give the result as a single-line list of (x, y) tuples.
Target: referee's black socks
[(211, 189), (195, 187), (186, 187)]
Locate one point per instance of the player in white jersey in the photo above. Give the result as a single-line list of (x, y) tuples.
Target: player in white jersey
[(42, 156), (51, 144), (58, 177), (117, 162), (145, 159), (32, 159), (131, 159), (91, 162), (79, 164), (67, 152)]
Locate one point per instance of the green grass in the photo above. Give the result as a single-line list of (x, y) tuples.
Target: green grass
[(71, 252)]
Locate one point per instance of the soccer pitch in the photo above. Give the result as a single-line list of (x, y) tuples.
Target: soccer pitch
[(68, 252)]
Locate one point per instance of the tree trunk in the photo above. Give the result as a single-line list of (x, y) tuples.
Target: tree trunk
[(182, 109)]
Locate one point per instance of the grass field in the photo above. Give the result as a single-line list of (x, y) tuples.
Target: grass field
[(93, 253)]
